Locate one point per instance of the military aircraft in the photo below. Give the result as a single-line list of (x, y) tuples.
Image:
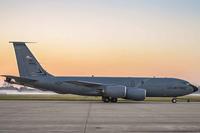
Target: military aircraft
[(109, 88)]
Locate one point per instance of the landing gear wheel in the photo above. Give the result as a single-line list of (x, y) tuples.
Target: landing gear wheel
[(106, 99), (188, 100), (174, 100), (113, 100)]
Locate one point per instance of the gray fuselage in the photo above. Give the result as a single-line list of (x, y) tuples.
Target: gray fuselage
[(155, 87)]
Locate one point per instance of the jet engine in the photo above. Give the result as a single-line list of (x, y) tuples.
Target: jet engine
[(119, 91), (137, 94), (116, 91)]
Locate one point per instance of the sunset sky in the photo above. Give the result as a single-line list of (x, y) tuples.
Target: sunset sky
[(105, 37)]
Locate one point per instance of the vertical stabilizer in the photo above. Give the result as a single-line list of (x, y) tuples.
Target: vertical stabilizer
[(28, 66)]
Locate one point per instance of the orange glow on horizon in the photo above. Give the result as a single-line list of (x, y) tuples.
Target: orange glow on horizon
[(126, 38)]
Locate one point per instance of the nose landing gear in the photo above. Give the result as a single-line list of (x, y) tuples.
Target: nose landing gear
[(174, 100)]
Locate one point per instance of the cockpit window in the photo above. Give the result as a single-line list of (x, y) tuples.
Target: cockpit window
[(186, 83)]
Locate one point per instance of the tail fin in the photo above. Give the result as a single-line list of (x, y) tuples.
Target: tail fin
[(28, 66)]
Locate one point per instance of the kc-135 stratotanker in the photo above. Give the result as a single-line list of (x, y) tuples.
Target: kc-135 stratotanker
[(109, 88)]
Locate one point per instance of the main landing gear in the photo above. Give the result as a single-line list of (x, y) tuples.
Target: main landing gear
[(109, 99)]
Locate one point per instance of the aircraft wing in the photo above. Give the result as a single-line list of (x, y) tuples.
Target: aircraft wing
[(85, 84), (94, 85)]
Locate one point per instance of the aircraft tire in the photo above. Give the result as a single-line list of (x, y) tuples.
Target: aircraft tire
[(174, 100), (106, 99), (113, 100)]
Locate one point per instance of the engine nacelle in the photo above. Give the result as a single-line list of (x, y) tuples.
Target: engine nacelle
[(137, 94), (119, 91), (116, 91)]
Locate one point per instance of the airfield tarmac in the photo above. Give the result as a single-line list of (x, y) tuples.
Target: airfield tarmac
[(98, 117)]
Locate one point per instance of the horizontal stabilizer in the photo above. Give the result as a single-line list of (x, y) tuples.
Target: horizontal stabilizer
[(18, 80)]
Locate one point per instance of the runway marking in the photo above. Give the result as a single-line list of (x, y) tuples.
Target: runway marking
[(88, 115)]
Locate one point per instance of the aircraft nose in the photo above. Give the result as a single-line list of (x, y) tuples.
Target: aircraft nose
[(194, 88)]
